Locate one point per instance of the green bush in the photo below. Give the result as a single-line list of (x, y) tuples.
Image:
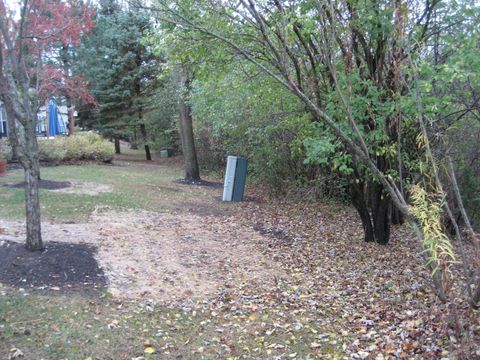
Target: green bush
[(4, 149), (52, 150), (83, 146)]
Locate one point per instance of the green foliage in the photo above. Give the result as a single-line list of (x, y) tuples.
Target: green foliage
[(52, 150), (4, 149), (323, 148), (256, 119), (162, 115), (83, 146), (271, 157), (450, 86), (122, 69)]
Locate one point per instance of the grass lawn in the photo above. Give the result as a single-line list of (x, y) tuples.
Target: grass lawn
[(134, 186), (75, 327)]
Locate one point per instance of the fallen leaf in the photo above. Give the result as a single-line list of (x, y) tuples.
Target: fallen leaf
[(149, 350)]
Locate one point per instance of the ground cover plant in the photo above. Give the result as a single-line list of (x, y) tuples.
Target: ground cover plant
[(187, 276)]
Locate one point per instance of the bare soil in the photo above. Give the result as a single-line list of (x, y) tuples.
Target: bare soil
[(85, 188), (165, 258)]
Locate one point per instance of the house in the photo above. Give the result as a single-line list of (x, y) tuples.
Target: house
[(60, 114)]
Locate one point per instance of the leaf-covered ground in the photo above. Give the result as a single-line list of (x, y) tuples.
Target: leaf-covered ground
[(376, 299), (275, 279)]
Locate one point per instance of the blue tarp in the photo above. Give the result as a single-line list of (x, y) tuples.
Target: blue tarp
[(55, 125)]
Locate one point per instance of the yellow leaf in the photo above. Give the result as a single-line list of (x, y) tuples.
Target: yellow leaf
[(149, 350)]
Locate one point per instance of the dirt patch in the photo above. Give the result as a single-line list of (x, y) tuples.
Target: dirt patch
[(165, 258), (86, 188), (179, 258), (45, 184), (58, 266)]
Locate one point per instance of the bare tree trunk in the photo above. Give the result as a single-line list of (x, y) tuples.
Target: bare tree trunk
[(116, 141), (12, 131), (147, 152), (47, 119), (458, 198), (71, 119), (192, 170), (397, 217), (466, 260), (357, 196), (143, 131), (134, 140), (34, 232), (31, 165), (24, 144), (22, 125), (68, 98), (381, 218), (374, 208)]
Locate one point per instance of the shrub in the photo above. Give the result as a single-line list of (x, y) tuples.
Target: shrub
[(4, 150), (83, 146), (51, 150)]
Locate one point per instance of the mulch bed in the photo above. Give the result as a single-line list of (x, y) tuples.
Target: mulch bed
[(60, 266), (44, 184)]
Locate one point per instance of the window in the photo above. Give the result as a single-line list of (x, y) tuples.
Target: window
[(3, 120)]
